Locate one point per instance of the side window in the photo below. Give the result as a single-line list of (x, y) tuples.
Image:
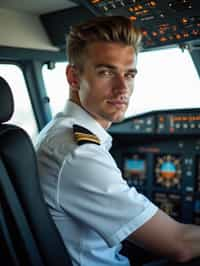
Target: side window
[(56, 86), (23, 114)]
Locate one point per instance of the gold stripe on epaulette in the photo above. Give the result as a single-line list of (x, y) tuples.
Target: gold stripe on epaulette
[(86, 137), (80, 135)]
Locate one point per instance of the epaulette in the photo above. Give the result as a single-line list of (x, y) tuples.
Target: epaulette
[(83, 135)]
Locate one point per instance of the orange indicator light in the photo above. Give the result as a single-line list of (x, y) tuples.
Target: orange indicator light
[(133, 18), (184, 20), (95, 1)]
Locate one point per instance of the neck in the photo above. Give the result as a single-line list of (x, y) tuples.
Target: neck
[(74, 97)]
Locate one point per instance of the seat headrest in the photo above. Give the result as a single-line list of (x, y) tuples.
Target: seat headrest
[(6, 101)]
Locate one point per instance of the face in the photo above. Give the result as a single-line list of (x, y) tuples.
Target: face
[(105, 85)]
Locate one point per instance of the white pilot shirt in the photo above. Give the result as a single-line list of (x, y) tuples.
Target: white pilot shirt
[(91, 204)]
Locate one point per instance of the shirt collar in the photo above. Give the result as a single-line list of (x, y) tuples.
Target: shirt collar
[(84, 119)]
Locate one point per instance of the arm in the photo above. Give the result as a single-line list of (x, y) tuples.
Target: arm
[(167, 237)]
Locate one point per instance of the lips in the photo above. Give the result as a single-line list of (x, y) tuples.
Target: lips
[(118, 103)]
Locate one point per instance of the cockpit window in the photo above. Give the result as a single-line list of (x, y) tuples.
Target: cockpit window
[(166, 79), (23, 112), (56, 86)]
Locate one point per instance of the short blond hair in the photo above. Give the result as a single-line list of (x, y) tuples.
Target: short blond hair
[(117, 29)]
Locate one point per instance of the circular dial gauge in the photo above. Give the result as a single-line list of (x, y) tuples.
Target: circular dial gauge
[(168, 171)]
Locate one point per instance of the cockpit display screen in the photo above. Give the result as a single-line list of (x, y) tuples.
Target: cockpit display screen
[(134, 166), (135, 169)]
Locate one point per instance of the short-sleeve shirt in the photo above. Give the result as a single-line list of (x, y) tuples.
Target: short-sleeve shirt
[(90, 202)]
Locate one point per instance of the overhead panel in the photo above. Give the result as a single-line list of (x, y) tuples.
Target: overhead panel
[(162, 22)]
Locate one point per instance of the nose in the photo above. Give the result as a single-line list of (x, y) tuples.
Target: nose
[(120, 84)]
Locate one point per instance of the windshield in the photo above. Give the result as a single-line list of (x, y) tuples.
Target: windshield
[(166, 79)]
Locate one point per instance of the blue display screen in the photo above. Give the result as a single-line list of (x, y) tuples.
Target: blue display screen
[(134, 165), (168, 167)]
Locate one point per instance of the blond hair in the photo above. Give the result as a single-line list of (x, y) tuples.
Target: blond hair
[(107, 29)]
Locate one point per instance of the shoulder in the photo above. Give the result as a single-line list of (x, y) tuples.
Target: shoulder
[(56, 139), (90, 154), (82, 135), (93, 150)]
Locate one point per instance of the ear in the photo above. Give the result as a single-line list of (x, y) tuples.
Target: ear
[(72, 77)]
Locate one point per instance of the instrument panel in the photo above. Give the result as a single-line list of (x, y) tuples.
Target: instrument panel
[(162, 162)]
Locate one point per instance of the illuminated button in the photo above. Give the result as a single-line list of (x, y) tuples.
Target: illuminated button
[(137, 127), (154, 33), (161, 126), (188, 198), (178, 36), (185, 125), (152, 3), (181, 145), (149, 129), (133, 18), (192, 125), (188, 173), (195, 32), (145, 33), (184, 20), (163, 39), (189, 189), (186, 35), (177, 125), (188, 161), (149, 122), (95, 1), (105, 8), (161, 119)]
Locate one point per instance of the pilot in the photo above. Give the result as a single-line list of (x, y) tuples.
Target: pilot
[(90, 202)]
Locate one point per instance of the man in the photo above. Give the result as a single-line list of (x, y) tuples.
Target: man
[(92, 205)]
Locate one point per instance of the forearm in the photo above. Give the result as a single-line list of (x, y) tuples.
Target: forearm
[(166, 237), (191, 240)]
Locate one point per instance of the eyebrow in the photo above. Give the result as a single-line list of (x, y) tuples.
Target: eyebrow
[(132, 70)]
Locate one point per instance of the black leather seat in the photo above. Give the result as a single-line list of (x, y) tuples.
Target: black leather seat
[(28, 235)]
